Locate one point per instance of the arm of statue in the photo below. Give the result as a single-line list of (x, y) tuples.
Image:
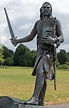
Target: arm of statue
[(26, 38), (59, 33)]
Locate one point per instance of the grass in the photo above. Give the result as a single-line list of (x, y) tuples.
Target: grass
[(18, 82), (61, 95)]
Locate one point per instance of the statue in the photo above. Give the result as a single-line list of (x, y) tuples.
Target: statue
[(49, 33)]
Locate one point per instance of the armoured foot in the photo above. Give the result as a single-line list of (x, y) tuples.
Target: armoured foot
[(32, 101)]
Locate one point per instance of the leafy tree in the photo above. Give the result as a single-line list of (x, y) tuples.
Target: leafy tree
[(21, 55), (33, 57), (9, 61), (8, 56), (24, 57), (7, 52), (1, 56), (57, 63), (67, 56), (61, 56)]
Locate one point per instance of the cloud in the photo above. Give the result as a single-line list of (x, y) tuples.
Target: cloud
[(25, 27), (61, 6), (64, 46)]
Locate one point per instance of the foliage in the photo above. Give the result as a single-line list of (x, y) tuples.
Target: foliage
[(57, 63), (8, 56), (9, 61), (67, 63), (67, 56), (1, 56), (7, 52), (64, 66), (61, 56), (23, 56), (32, 57)]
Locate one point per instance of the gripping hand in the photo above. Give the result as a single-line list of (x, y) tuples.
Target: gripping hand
[(14, 41)]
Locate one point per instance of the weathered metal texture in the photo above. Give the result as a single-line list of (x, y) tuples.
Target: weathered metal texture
[(9, 102)]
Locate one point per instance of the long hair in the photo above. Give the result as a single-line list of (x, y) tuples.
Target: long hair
[(41, 9)]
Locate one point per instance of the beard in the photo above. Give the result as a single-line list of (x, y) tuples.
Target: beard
[(46, 13)]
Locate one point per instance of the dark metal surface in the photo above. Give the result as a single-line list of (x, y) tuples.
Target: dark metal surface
[(6, 102), (9, 102), (10, 28), (48, 32)]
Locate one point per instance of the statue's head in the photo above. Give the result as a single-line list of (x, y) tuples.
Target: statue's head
[(46, 10)]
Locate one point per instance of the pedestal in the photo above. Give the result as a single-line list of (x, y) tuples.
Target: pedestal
[(9, 102)]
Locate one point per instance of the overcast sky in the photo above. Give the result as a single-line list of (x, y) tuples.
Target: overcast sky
[(24, 13)]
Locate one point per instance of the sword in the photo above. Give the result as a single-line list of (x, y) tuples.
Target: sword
[(13, 38), (54, 66)]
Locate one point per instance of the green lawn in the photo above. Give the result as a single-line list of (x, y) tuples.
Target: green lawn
[(18, 82)]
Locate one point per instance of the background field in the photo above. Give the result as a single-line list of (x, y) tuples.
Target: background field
[(17, 82)]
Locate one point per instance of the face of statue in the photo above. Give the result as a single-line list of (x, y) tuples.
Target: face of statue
[(46, 9)]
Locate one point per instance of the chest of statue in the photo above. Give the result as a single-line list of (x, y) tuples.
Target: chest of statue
[(49, 28), (46, 28)]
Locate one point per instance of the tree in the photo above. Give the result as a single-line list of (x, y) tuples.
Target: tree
[(7, 52), (22, 55), (67, 56), (33, 57), (9, 61), (8, 56), (1, 56), (61, 56)]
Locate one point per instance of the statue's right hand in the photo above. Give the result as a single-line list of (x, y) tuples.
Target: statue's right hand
[(14, 41)]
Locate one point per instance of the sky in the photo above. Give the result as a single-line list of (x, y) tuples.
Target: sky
[(24, 13)]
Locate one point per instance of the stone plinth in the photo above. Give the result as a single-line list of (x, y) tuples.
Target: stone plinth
[(9, 102)]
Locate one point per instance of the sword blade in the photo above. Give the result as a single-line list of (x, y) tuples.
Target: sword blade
[(54, 66), (9, 25), (55, 76)]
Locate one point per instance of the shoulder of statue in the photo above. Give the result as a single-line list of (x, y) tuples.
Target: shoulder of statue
[(37, 22), (56, 20)]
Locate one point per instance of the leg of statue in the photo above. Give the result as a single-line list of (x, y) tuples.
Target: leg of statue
[(42, 94), (40, 82), (38, 87)]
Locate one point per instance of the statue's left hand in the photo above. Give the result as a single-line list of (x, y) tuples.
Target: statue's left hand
[(49, 40)]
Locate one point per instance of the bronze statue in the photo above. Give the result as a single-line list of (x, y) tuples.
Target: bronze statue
[(49, 33)]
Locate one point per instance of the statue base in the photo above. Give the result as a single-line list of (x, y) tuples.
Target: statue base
[(9, 102)]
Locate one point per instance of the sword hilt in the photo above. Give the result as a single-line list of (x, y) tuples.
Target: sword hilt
[(14, 41)]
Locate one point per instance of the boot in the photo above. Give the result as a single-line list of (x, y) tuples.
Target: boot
[(32, 101), (41, 103), (38, 86), (42, 94)]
